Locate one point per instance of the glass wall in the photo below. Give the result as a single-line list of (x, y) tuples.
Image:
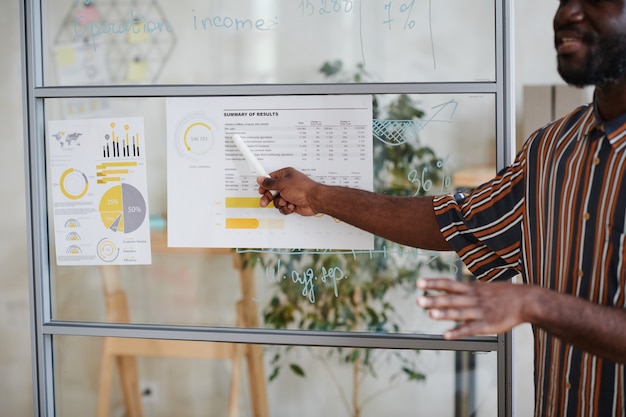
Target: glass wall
[(307, 381), (160, 285), (450, 147), (242, 42)]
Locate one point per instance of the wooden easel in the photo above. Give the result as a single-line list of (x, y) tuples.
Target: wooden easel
[(123, 351)]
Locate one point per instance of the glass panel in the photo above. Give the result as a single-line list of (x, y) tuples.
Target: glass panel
[(450, 144), (187, 380), (118, 42)]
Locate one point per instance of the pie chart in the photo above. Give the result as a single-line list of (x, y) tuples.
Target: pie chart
[(122, 208)]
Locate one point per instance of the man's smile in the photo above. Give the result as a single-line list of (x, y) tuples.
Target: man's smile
[(569, 42)]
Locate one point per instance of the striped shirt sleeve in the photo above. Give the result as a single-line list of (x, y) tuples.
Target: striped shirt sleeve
[(485, 227)]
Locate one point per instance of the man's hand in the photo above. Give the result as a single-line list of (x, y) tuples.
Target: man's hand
[(406, 220), (480, 308), (296, 191), (490, 308)]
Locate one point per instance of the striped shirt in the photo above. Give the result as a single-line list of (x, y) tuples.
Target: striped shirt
[(557, 216)]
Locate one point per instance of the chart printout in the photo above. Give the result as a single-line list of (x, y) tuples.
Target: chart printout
[(99, 191), (213, 198)]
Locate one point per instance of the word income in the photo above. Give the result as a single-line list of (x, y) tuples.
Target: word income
[(137, 24)]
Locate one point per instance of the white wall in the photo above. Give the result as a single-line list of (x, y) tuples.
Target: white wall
[(535, 58), (535, 64)]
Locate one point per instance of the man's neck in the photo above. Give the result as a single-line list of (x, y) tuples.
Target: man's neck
[(611, 100)]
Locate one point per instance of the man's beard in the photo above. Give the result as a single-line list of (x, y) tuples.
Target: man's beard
[(605, 65)]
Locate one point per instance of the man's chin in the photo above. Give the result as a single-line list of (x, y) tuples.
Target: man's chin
[(574, 81), (577, 77)]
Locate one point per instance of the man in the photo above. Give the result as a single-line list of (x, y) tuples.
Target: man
[(557, 215)]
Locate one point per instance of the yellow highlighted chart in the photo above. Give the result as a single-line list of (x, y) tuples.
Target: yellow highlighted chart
[(125, 147), (111, 171), (252, 223), (73, 184), (99, 191), (73, 250), (107, 250), (195, 136), (212, 193), (122, 208), (245, 202)]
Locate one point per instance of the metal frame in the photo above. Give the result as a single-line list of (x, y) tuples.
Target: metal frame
[(43, 328)]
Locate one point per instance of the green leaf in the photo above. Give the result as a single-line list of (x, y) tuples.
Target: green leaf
[(274, 374), (353, 356), (296, 369), (331, 68), (413, 375)]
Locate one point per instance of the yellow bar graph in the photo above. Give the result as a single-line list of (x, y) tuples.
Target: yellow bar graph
[(244, 202), (111, 172), (106, 165), (109, 179), (252, 223), (242, 223)]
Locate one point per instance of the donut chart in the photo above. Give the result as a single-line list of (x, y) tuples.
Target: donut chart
[(195, 137), (122, 208), (107, 250), (73, 183)]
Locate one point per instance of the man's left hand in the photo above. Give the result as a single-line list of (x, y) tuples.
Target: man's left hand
[(481, 308)]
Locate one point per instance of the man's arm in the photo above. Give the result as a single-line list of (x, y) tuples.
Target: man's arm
[(407, 220), (489, 308)]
